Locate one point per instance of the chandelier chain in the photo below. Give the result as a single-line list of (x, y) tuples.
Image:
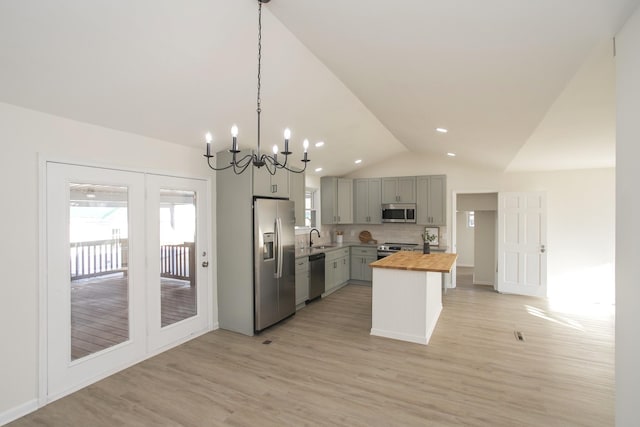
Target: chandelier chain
[(256, 158), (258, 100)]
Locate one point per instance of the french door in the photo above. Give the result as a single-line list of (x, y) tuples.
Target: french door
[(126, 253), (176, 231)]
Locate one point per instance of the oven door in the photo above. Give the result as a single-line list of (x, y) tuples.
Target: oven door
[(382, 254)]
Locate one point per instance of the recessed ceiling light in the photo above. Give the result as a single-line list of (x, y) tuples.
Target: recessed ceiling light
[(357, 162), (91, 196), (319, 143), (441, 130), (318, 169), (451, 154)]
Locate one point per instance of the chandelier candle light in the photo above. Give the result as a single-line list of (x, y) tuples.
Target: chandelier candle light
[(258, 160)]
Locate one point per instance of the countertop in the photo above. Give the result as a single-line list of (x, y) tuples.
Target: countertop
[(407, 260), (304, 252)]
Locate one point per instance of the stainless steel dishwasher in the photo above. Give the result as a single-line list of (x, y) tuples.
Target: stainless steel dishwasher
[(316, 275)]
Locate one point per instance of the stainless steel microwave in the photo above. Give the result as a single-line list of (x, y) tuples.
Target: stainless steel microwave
[(399, 212)]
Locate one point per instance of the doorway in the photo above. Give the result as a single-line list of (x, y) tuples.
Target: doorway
[(475, 240), (126, 255)]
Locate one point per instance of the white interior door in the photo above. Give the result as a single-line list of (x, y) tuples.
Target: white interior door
[(177, 230), (95, 274), (522, 257)]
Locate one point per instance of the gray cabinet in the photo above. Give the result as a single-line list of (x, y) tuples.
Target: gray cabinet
[(431, 200), (336, 269), (360, 260), (302, 281), (267, 185), (234, 217), (399, 190), (367, 198), (297, 194), (336, 199)]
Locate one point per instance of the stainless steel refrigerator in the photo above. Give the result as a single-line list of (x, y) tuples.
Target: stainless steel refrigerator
[(274, 261)]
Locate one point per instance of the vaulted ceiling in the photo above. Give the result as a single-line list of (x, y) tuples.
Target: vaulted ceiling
[(520, 85)]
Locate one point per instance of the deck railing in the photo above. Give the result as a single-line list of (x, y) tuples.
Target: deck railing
[(178, 261), (102, 257), (98, 258)]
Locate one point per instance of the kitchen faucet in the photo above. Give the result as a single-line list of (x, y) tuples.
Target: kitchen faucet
[(311, 241)]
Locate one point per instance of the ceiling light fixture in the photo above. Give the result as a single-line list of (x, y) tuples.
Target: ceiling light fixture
[(318, 169), (319, 143), (258, 160), (451, 154), (357, 162), (441, 130)]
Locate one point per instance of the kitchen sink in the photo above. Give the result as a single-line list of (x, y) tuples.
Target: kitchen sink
[(323, 246)]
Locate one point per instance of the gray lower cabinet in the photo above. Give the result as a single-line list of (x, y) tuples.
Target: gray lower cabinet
[(302, 280), (336, 269), (360, 260)]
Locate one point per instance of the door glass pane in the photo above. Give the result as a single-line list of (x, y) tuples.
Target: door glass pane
[(98, 236), (177, 255)]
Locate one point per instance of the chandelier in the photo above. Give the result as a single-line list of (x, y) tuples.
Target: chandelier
[(256, 158)]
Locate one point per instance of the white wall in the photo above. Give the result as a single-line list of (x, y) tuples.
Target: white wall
[(580, 230), (24, 134), (485, 248), (465, 241), (477, 202), (627, 228)]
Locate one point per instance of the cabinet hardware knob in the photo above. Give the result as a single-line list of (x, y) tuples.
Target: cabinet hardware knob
[(205, 263)]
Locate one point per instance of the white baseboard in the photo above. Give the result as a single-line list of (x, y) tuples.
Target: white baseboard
[(19, 411), (482, 282), (174, 344), (465, 265)]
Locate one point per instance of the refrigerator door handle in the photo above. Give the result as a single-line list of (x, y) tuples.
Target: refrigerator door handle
[(276, 249), (280, 248)]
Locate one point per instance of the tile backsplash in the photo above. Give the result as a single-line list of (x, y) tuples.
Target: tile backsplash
[(401, 233)]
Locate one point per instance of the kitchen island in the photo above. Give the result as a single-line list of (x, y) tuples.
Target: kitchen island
[(407, 295)]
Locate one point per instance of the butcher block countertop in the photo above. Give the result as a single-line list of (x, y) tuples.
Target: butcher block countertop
[(414, 261)]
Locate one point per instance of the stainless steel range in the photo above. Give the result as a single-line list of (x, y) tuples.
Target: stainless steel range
[(387, 249)]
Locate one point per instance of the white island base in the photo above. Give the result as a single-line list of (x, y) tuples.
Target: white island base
[(405, 304)]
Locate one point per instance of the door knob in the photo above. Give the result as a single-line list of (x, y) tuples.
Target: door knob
[(205, 263), (542, 249)]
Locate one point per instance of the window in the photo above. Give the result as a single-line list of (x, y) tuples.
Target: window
[(471, 219), (309, 208)]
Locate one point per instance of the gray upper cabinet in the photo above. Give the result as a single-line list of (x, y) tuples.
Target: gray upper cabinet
[(367, 195), (399, 190), (432, 200), (297, 194), (336, 198), (267, 185)]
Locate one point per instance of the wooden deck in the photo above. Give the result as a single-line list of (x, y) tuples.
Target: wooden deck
[(99, 314), (323, 368)]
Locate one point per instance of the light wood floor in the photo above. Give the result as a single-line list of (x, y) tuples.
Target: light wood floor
[(323, 368), (464, 279)]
